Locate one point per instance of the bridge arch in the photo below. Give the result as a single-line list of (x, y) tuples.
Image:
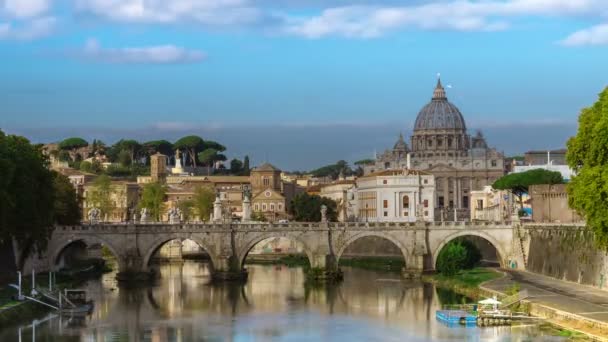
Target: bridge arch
[(244, 251), (87, 240), (159, 242), (501, 253), (404, 251)]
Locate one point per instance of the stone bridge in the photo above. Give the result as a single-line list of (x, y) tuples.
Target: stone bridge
[(324, 243)]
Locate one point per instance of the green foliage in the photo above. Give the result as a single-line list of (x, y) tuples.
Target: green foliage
[(191, 144), (588, 156), (64, 156), (236, 166), (203, 202), (153, 198), (451, 259), (91, 167), (518, 183), (307, 208), (209, 156), (100, 195), (187, 209), (364, 162), (65, 203), (459, 254), (73, 144), (160, 146), (26, 194), (124, 158), (132, 147), (246, 167), (333, 170), (214, 145), (258, 216)]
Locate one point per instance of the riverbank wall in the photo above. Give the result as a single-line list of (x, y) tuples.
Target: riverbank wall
[(566, 252)]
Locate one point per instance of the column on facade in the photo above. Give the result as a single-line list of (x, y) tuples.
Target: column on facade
[(455, 194), (446, 191)]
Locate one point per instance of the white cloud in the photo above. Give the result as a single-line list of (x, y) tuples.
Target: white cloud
[(27, 30), (160, 54), (207, 12), (596, 35), (24, 8), (459, 15)]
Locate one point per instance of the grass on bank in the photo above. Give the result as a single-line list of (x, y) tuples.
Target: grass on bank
[(390, 264), (469, 278)]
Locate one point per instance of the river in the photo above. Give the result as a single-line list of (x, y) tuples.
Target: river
[(274, 305)]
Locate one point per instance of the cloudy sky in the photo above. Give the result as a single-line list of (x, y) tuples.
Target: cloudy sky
[(298, 82)]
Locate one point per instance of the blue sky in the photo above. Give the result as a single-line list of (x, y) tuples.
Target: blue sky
[(242, 71)]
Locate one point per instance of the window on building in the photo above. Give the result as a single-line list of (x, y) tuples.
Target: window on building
[(387, 165), (426, 213), (451, 204), (280, 207), (272, 207), (426, 181), (439, 142), (384, 181), (493, 162), (386, 213), (385, 204), (465, 202), (479, 204), (430, 143), (449, 142), (266, 181), (406, 202), (426, 203), (440, 201), (264, 207)]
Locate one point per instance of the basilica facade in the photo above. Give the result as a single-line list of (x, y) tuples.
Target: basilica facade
[(441, 146)]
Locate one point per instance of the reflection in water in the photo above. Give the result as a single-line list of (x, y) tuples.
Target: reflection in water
[(274, 304)]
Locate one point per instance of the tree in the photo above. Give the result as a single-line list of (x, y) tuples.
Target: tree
[(209, 157), (98, 147), (587, 155), (72, 145), (518, 183), (246, 167), (191, 144), (187, 208), (26, 195), (236, 166), (364, 162), (132, 147), (91, 167), (157, 146), (153, 198), (203, 202), (124, 158), (451, 258), (307, 208), (100, 195), (214, 145), (333, 170), (258, 216), (66, 210)]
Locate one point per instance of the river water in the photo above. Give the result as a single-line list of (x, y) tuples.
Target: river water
[(274, 305)]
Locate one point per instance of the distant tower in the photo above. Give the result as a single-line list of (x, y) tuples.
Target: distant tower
[(158, 167)]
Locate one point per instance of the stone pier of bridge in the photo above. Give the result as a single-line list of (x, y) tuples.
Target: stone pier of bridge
[(227, 245)]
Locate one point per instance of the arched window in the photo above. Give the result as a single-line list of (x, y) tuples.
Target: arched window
[(406, 202)]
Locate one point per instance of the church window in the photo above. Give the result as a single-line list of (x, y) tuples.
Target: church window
[(493, 162), (465, 202), (266, 181), (426, 203), (387, 165), (264, 207), (385, 204), (441, 202), (257, 207), (430, 143), (406, 202), (439, 142), (280, 207), (271, 206)]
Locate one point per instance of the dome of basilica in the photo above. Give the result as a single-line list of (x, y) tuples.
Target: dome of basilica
[(439, 114)]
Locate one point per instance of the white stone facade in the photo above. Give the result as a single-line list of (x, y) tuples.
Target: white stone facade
[(395, 196)]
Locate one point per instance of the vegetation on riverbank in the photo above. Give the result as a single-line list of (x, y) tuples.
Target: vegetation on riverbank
[(465, 282), (390, 264)]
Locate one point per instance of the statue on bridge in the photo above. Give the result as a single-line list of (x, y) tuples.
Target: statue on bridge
[(94, 214), (175, 215), (145, 215), (323, 213)]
